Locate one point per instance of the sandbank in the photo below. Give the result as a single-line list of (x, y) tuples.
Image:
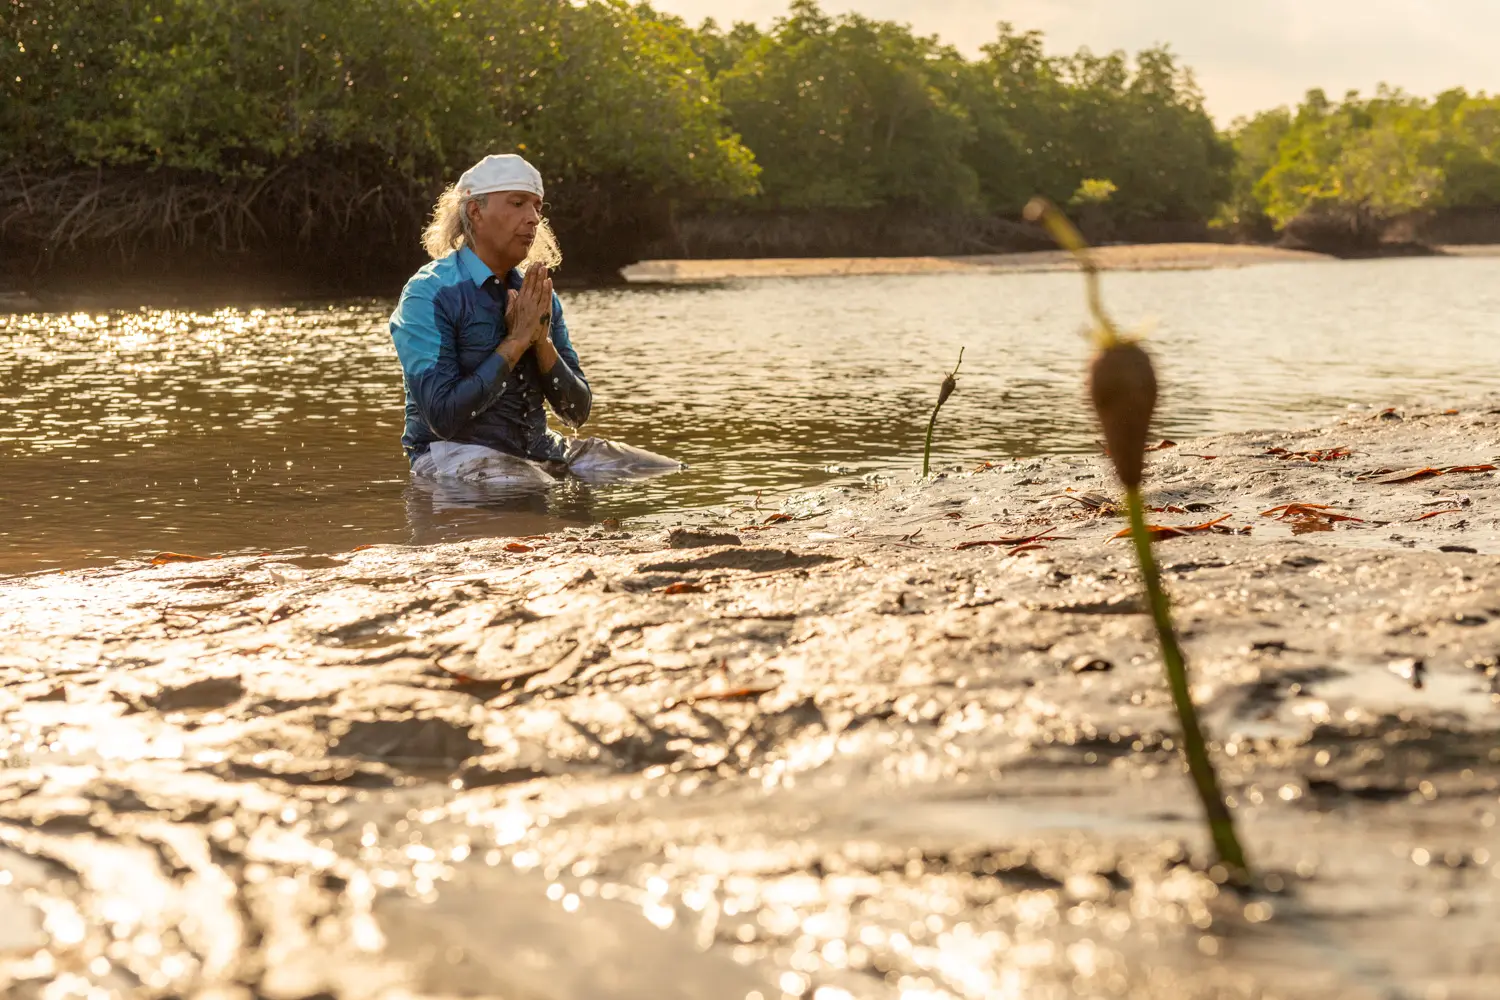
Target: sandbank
[(1142, 257)]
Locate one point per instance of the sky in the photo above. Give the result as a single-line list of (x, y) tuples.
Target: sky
[(1248, 55)]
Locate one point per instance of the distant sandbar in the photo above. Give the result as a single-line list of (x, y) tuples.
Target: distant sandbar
[(1141, 257)]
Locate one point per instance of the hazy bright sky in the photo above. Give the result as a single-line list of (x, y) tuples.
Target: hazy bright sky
[(1248, 55)]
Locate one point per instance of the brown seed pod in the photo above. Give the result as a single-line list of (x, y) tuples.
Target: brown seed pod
[(949, 385), (1122, 385)]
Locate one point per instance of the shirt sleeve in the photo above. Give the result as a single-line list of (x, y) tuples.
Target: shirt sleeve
[(565, 386), (426, 340)]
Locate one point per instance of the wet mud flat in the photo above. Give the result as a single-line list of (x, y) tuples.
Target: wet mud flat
[(901, 740)]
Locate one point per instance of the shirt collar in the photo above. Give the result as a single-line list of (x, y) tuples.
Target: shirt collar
[(479, 272)]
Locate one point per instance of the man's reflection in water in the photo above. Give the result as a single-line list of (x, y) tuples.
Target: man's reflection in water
[(446, 510), (478, 493)]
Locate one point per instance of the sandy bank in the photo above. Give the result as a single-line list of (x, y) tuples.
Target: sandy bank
[(856, 755), (1145, 257), (1471, 250)]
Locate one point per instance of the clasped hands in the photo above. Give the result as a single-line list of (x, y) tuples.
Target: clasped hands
[(528, 312), (528, 320)]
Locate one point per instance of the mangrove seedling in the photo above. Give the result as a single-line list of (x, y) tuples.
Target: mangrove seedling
[(1122, 387), (950, 383)]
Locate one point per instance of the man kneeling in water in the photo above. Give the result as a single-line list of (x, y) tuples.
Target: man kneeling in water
[(483, 345)]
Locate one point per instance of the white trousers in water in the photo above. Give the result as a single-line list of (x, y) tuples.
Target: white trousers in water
[(591, 459)]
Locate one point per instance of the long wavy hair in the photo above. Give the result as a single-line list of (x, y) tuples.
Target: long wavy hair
[(450, 229)]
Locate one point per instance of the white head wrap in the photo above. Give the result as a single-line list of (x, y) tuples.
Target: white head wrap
[(501, 172)]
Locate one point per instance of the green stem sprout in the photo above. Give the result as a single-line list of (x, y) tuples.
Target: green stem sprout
[(1122, 385), (1220, 821), (949, 385)]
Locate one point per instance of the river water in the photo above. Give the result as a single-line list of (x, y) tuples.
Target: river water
[(130, 432)]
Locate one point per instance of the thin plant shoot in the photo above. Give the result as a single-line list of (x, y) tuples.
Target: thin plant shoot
[(950, 385), (1122, 387)]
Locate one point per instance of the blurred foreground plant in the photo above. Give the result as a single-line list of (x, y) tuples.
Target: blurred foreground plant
[(950, 385), (1122, 385)]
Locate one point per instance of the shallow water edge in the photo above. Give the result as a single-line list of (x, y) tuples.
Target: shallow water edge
[(276, 430)]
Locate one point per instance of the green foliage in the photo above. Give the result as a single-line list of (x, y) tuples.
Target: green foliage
[(846, 112), (719, 49), (233, 88), (1257, 143), (1094, 191), (1368, 159), (605, 90), (1046, 124), (849, 113), (627, 110), (53, 70)]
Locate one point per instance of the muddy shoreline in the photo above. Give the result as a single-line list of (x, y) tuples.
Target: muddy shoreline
[(854, 755)]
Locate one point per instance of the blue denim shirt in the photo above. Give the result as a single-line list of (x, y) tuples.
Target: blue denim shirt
[(446, 327)]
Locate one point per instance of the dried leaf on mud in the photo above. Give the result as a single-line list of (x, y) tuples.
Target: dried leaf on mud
[(1410, 476), (165, 558), (1401, 476), (1309, 513), (1317, 455), (779, 518), (519, 547), (745, 692), (1296, 507), (1435, 513), (1159, 532), (683, 587), (1387, 476)]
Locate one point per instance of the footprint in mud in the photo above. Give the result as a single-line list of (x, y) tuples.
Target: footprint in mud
[(412, 739), (205, 694)]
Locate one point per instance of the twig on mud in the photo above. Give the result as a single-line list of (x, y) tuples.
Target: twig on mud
[(1042, 536)]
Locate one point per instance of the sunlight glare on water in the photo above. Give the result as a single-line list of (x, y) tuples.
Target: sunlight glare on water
[(245, 430)]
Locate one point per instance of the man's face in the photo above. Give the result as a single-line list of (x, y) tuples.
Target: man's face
[(505, 226)]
